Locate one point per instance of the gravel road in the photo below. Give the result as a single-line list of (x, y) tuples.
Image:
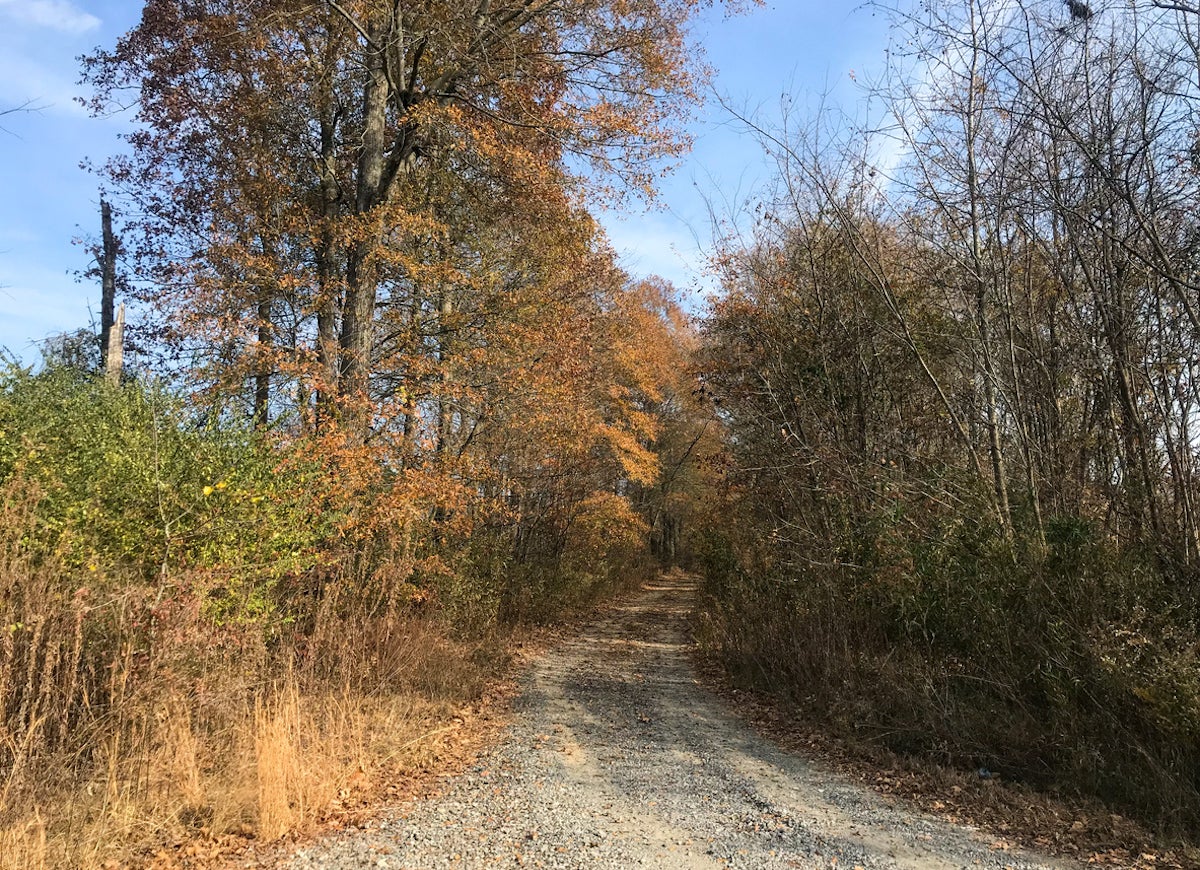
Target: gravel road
[(617, 757)]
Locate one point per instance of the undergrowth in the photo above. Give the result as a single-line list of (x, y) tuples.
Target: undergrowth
[(196, 644), (133, 722), (1073, 666)]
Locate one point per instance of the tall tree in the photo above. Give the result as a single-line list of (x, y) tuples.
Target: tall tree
[(292, 158)]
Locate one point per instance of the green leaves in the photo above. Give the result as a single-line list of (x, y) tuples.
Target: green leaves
[(129, 480)]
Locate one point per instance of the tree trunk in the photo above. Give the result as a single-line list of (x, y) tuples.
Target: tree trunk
[(357, 338), (262, 378), (445, 414), (114, 357), (328, 291), (108, 281), (979, 288)]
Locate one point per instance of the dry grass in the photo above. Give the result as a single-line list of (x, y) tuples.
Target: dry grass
[(23, 846), (135, 731), (189, 777)]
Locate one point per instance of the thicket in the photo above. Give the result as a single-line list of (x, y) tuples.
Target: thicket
[(151, 627), (959, 371)]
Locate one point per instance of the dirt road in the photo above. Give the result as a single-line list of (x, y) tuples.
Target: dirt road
[(617, 757)]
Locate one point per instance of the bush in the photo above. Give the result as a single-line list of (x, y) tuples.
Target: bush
[(186, 643), (207, 629), (129, 480), (599, 547)]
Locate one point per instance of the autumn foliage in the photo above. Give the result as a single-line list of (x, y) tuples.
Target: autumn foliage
[(362, 226), (397, 398)]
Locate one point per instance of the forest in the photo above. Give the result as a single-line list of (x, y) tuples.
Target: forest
[(391, 407)]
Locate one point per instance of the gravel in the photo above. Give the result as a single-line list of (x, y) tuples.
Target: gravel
[(617, 757)]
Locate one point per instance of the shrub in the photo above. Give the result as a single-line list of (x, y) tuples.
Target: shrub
[(1075, 665), (130, 480)]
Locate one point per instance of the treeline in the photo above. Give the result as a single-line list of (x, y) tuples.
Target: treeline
[(959, 363), (393, 398)]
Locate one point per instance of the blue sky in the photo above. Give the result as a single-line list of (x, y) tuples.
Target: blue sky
[(804, 47)]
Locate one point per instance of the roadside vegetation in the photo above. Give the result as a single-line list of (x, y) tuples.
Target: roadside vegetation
[(958, 365), (201, 640), (385, 402)]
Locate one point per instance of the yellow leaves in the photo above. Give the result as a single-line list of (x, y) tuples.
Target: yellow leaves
[(606, 522), (636, 460)]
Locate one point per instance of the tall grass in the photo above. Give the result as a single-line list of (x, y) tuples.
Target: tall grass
[(185, 655), (133, 724), (199, 642)]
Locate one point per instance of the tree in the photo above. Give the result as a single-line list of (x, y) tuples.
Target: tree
[(957, 367), (362, 223), (297, 157)]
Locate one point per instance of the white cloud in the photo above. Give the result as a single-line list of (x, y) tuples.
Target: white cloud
[(60, 15)]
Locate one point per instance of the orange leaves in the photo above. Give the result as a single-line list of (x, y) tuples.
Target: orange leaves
[(605, 521), (384, 254)]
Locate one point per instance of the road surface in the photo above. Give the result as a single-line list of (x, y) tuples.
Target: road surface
[(618, 757)]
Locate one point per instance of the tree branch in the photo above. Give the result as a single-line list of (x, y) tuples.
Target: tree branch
[(353, 22), (1176, 7)]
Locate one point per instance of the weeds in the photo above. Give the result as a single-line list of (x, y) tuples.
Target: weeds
[(161, 748), (207, 635), (132, 721)]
